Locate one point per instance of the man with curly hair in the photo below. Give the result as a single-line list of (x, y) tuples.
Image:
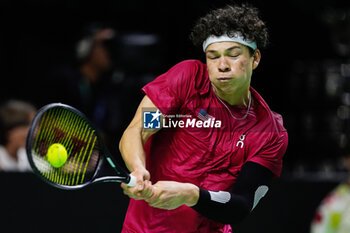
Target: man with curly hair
[(192, 178)]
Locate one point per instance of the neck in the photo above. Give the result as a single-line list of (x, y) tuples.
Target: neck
[(237, 97), (90, 72)]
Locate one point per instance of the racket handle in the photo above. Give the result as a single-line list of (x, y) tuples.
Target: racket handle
[(132, 181)]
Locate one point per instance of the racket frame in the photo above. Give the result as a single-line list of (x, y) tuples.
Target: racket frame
[(105, 160)]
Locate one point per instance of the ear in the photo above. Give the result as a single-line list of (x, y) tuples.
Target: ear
[(256, 58)]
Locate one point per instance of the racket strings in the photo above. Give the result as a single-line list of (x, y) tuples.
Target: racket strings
[(60, 125)]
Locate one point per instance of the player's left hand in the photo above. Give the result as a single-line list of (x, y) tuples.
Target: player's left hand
[(143, 188), (170, 195)]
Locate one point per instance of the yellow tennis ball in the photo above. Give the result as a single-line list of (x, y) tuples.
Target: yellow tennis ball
[(57, 155)]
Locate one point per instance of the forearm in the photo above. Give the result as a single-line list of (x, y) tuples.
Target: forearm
[(228, 208), (134, 138), (232, 207), (131, 149)]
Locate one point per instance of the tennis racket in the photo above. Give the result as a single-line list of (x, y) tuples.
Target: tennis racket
[(88, 160)]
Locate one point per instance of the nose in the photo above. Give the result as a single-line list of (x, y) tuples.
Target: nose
[(223, 65)]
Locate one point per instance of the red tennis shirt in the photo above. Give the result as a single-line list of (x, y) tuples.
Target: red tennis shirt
[(210, 157)]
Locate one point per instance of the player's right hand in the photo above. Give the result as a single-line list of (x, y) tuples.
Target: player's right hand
[(143, 188)]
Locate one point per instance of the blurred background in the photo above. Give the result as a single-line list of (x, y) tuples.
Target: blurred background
[(96, 55)]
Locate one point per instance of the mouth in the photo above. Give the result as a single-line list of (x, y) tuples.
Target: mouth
[(224, 79)]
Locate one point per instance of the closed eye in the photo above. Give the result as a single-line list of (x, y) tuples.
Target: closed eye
[(213, 57)]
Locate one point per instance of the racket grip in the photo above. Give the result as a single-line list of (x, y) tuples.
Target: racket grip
[(132, 181)]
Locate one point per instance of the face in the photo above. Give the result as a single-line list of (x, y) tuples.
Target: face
[(100, 56), (230, 66), (17, 136)]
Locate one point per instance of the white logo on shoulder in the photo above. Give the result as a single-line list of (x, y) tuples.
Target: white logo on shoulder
[(240, 143)]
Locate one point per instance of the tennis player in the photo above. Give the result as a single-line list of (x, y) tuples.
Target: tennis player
[(192, 178)]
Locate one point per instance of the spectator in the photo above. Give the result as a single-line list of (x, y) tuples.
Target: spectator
[(333, 214), (15, 118), (91, 84)]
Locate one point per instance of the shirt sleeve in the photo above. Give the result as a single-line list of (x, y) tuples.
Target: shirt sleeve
[(271, 155), (170, 90)]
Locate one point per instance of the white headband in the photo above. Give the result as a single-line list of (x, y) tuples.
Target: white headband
[(237, 37)]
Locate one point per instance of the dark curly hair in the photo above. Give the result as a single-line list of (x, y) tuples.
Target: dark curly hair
[(228, 20)]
